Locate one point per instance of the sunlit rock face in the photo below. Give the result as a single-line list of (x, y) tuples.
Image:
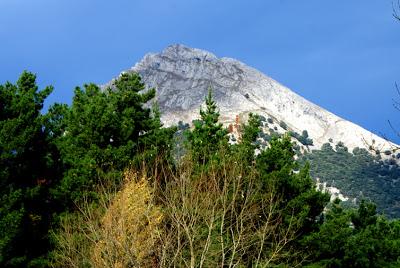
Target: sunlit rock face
[(182, 76)]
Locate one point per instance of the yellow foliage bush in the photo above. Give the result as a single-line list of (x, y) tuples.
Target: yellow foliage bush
[(206, 218), (121, 230), (130, 227)]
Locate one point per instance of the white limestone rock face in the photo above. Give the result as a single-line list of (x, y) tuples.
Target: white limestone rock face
[(182, 76)]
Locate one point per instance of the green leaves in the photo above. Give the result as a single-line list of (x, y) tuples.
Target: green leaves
[(48, 162), (208, 135), (358, 174), (355, 238), (105, 130), (279, 155), (27, 170), (301, 202)]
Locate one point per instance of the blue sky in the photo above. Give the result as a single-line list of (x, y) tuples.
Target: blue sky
[(342, 55)]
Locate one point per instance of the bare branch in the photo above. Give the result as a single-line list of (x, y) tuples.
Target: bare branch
[(396, 8)]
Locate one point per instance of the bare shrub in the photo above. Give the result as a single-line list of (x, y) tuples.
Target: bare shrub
[(217, 218), (192, 215)]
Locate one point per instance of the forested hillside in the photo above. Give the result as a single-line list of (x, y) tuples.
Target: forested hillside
[(100, 183), (358, 174)]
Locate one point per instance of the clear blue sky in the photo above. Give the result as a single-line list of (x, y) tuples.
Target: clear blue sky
[(342, 55)]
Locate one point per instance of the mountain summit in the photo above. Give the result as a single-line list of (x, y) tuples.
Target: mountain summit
[(182, 76)]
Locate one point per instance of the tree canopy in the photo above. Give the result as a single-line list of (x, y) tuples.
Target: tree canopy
[(219, 203), (208, 134), (27, 170)]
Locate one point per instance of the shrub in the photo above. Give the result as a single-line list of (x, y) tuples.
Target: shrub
[(283, 125), (121, 231), (218, 217)]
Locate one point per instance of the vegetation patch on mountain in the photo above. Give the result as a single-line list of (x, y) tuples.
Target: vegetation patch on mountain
[(358, 174)]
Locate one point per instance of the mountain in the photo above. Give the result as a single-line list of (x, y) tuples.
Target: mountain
[(182, 76), (338, 150)]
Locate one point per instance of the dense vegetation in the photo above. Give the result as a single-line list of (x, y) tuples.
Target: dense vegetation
[(51, 161), (359, 175), (101, 184), (28, 170)]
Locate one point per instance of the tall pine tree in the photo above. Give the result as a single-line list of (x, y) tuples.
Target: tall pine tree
[(105, 131), (208, 134), (26, 173)]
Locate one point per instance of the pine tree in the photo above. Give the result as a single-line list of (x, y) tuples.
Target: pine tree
[(26, 173), (354, 238), (250, 132), (208, 135), (301, 201), (157, 143), (105, 131)]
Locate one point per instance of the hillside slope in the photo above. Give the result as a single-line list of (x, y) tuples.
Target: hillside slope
[(182, 76)]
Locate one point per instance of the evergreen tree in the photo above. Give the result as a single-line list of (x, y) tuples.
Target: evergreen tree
[(105, 131), (208, 135), (157, 144), (249, 135), (354, 238), (27, 172), (300, 201)]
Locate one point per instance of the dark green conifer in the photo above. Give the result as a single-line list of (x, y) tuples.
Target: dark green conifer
[(300, 202), (249, 135), (208, 135), (26, 173), (106, 130)]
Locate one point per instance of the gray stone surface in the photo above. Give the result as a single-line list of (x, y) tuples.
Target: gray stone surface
[(182, 76)]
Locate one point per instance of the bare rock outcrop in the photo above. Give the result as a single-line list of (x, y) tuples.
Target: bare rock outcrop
[(182, 76)]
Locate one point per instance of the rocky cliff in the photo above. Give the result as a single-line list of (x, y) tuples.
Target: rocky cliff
[(182, 76)]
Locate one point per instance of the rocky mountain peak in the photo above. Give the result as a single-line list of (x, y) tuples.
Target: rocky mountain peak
[(180, 51), (182, 76)]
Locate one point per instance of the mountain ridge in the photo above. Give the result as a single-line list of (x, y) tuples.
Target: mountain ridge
[(182, 76)]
